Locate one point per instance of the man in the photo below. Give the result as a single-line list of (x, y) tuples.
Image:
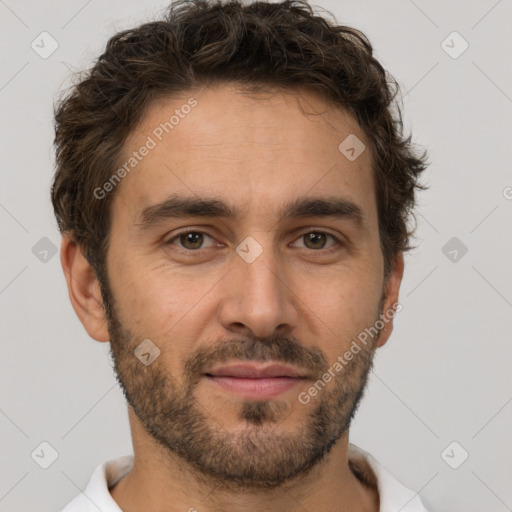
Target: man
[(233, 191)]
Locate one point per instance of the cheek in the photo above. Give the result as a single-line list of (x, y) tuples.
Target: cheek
[(346, 307), (164, 304), (144, 301)]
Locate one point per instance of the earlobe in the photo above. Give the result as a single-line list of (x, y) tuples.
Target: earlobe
[(84, 289), (389, 308)]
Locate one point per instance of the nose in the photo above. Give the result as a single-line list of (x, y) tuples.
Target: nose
[(259, 300)]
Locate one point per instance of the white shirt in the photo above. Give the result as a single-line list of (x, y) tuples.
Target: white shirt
[(393, 495)]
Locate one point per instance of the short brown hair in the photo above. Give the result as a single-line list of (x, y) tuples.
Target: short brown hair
[(200, 43)]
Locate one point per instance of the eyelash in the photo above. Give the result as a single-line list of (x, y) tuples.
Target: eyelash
[(329, 250)]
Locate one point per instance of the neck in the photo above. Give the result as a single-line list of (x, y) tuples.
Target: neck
[(160, 482)]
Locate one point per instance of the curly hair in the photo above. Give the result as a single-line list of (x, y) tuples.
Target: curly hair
[(199, 43)]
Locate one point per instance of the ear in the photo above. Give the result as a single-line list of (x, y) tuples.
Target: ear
[(390, 307), (84, 290)]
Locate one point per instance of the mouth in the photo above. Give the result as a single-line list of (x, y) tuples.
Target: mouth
[(254, 381)]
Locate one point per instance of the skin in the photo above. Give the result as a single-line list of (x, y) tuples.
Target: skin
[(198, 446)]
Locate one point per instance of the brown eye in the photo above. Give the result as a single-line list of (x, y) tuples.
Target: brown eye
[(315, 240), (189, 240)]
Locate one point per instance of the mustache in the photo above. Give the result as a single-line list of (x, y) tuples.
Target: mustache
[(276, 348)]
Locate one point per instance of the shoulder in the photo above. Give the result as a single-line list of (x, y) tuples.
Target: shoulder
[(96, 495), (393, 495)]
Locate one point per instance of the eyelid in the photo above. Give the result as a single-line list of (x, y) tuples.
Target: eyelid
[(338, 241), (185, 231)]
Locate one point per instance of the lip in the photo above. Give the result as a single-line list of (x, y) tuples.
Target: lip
[(256, 389), (256, 371), (256, 381)]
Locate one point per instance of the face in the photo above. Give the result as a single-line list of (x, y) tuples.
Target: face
[(264, 285)]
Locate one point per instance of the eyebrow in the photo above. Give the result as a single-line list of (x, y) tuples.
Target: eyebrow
[(176, 206)]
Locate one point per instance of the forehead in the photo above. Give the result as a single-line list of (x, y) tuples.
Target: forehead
[(257, 149)]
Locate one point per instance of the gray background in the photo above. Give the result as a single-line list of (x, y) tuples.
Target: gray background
[(445, 374)]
